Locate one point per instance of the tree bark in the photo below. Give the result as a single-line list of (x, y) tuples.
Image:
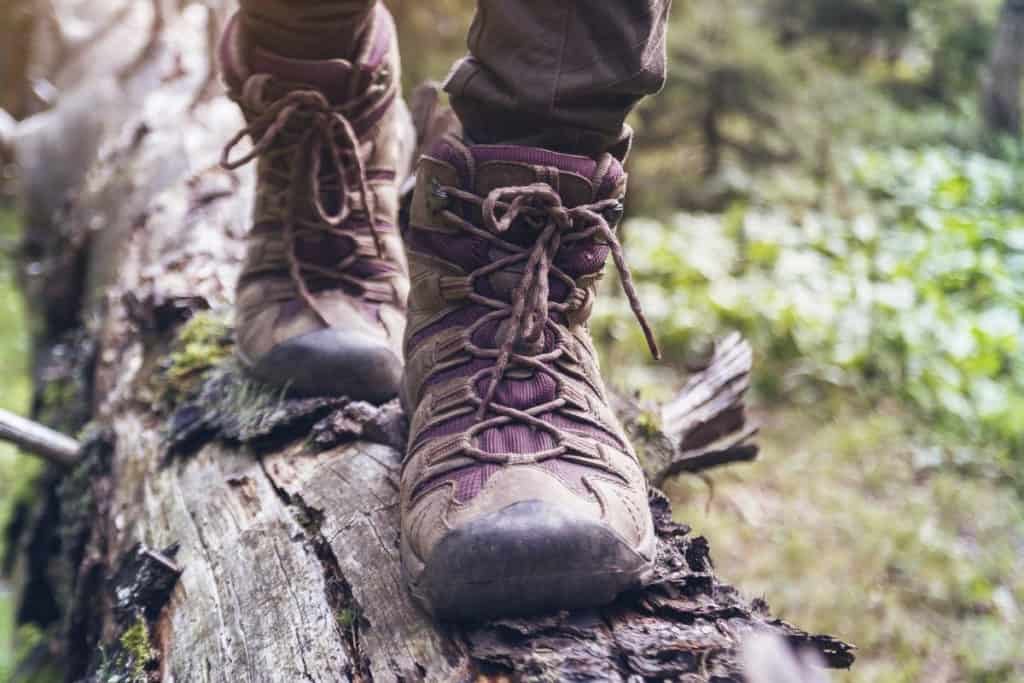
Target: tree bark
[(1001, 103), (213, 530)]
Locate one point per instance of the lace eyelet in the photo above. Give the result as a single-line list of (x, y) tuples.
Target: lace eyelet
[(613, 214), (438, 200)]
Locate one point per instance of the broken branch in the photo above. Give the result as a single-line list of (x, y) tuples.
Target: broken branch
[(38, 440)]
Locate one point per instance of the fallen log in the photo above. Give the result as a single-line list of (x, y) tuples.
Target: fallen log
[(216, 529)]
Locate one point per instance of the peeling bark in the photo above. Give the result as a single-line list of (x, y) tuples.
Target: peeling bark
[(281, 515)]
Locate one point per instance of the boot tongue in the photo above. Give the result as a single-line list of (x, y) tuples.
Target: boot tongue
[(332, 77), (578, 180), (497, 166)]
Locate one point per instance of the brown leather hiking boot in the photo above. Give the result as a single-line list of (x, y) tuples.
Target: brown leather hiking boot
[(321, 298), (520, 492)]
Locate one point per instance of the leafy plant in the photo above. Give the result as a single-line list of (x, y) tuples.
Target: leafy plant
[(913, 288)]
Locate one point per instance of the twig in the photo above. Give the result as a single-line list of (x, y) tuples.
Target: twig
[(38, 439)]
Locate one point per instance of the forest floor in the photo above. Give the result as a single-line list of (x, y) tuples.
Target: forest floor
[(844, 525)]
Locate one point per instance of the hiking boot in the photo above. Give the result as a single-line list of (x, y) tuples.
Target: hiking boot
[(520, 491), (320, 304)]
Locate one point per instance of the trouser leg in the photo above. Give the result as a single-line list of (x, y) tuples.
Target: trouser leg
[(560, 74), (307, 29)]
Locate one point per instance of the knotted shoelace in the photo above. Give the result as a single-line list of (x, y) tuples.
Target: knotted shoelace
[(540, 207), (303, 124)]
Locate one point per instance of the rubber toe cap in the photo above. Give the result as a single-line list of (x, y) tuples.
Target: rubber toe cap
[(527, 558), (333, 363)]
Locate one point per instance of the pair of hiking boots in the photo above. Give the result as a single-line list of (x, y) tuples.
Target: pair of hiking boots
[(519, 493)]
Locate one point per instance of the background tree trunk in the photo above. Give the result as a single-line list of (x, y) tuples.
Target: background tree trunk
[(1001, 98), (215, 530)]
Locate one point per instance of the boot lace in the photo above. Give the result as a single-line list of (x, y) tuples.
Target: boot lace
[(302, 124), (527, 315)]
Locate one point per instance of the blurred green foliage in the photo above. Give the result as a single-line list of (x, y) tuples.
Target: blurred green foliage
[(913, 289), (16, 471), (805, 179)]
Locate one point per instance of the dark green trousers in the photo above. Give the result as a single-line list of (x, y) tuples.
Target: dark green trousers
[(559, 74)]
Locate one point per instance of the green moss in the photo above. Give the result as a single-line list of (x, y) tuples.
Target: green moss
[(128, 660), (202, 344), (648, 423), (138, 649), (347, 618)]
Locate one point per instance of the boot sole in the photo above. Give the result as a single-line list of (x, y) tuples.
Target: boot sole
[(526, 559)]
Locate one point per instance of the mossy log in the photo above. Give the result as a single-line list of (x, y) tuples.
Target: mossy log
[(215, 530)]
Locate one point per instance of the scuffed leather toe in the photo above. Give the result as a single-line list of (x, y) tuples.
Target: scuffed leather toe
[(528, 558), (333, 363)]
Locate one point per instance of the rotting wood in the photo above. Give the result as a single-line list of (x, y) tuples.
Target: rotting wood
[(707, 423), (284, 517)]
